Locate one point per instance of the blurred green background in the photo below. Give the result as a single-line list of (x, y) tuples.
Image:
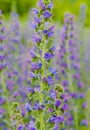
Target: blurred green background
[(61, 6)]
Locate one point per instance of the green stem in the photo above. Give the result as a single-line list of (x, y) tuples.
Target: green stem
[(42, 123), (42, 126), (88, 106)]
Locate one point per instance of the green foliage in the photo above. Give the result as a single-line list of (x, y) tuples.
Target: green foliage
[(22, 6), (61, 6), (73, 6)]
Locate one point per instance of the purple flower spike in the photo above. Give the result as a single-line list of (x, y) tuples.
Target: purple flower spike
[(44, 94)]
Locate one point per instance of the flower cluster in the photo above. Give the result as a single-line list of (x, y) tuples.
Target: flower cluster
[(70, 71), (4, 105), (2, 45), (45, 107)]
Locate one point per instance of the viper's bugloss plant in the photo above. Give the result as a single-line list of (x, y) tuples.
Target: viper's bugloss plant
[(14, 59), (45, 108), (82, 18), (80, 27), (13, 38), (70, 72), (4, 100), (2, 45)]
